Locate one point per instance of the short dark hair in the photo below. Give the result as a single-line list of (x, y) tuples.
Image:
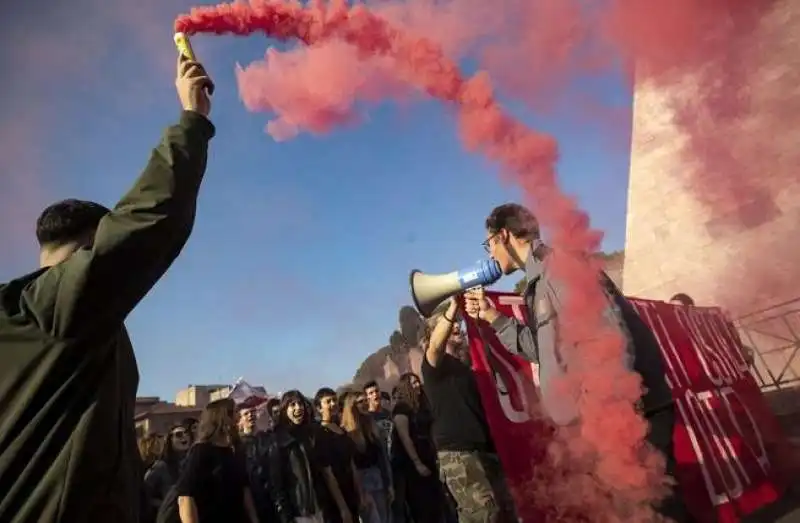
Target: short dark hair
[(370, 384), (385, 396), (516, 219), (67, 221), (324, 392), (684, 299)]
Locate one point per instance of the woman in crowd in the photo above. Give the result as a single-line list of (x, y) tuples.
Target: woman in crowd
[(150, 448), (413, 451), (213, 484), (191, 425), (372, 464), (361, 401), (166, 470), (293, 469)]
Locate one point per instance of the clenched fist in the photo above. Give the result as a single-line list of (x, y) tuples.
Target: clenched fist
[(194, 86), (477, 306)]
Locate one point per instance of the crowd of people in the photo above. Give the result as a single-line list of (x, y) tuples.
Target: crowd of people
[(341, 456), (420, 454), (68, 383)]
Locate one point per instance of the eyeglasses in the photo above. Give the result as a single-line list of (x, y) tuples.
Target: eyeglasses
[(487, 243)]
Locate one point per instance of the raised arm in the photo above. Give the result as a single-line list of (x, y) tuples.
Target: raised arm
[(139, 239), (437, 344)]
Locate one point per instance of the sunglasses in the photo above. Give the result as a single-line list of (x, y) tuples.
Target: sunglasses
[(179, 434)]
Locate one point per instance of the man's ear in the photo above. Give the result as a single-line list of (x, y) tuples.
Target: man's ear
[(504, 235)]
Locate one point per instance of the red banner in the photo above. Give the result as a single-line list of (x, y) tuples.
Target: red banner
[(725, 435)]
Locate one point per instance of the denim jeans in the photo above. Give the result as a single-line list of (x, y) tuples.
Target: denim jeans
[(372, 485)]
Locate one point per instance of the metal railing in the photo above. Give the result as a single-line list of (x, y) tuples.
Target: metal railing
[(774, 335)]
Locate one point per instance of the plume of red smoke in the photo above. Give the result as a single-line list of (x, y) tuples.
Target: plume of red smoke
[(705, 54), (353, 53)]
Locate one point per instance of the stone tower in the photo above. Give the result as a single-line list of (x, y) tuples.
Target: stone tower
[(745, 258)]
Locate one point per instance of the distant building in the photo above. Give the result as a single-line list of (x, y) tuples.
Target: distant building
[(153, 415), (201, 395), (161, 416), (146, 403)]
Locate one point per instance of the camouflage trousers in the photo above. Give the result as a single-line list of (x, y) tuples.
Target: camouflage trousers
[(478, 486)]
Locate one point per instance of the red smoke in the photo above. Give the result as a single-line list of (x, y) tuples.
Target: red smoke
[(308, 90), (535, 51)]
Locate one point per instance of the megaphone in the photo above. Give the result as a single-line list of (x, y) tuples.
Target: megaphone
[(429, 290)]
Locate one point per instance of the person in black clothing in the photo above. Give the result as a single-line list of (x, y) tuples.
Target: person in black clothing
[(413, 452), (165, 472), (273, 408), (254, 446), (213, 485), (467, 458), (337, 450), (294, 468), (67, 367), (381, 415), (370, 459), (191, 425)]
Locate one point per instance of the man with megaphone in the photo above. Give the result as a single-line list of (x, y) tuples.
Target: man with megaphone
[(513, 241)]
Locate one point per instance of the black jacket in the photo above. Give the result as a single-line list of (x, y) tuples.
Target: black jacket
[(67, 368), (255, 451), (292, 470)]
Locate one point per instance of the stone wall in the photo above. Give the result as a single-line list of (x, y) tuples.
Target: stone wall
[(744, 256)]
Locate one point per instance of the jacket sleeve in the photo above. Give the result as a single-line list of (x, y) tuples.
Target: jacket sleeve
[(134, 244), (264, 467), (517, 338), (280, 496)]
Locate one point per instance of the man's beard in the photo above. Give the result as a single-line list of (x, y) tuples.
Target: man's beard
[(460, 349)]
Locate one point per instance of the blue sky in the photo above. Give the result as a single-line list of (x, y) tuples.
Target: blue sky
[(301, 250)]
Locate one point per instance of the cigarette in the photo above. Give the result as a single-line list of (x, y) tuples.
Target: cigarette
[(184, 45)]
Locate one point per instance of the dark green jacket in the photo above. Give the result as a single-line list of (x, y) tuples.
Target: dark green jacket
[(68, 374)]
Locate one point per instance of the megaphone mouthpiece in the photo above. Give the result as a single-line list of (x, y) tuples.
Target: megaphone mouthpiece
[(429, 290)]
